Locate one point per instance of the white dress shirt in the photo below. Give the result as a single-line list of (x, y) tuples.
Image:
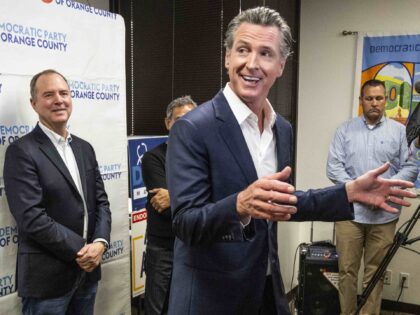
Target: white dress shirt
[(64, 149), (261, 146)]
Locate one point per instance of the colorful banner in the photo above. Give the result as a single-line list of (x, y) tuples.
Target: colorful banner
[(87, 45), (137, 147), (394, 59)]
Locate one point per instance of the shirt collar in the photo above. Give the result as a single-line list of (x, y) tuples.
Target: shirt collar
[(242, 112), (53, 136), (375, 125)]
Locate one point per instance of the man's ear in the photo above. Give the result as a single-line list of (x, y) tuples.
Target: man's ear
[(167, 123), (32, 103), (227, 57), (281, 68)]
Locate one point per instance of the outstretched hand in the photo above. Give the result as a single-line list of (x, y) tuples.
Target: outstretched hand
[(370, 189)]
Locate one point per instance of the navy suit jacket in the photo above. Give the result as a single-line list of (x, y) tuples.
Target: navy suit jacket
[(49, 212), (220, 267)]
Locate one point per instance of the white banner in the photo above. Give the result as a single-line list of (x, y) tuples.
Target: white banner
[(87, 45)]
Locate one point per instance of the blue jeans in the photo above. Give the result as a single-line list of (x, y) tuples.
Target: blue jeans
[(79, 301)]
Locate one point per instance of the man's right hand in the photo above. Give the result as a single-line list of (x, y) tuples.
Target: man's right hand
[(269, 198)]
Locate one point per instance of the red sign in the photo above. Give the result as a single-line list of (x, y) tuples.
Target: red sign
[(139, 216)]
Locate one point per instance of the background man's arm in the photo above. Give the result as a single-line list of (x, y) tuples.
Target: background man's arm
[(408, 167), (154, 178)]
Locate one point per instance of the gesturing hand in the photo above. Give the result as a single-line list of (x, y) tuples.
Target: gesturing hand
[(373, 190), (269, 198)]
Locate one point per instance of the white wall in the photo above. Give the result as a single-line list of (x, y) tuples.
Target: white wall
[(326, 82)]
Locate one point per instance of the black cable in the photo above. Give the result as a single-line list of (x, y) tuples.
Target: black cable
[(401, 291), (294, 264), (293, 273), (402, 225), (410, 249)]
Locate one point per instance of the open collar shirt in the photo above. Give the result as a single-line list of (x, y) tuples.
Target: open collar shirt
[(261, 146), (66, 153)]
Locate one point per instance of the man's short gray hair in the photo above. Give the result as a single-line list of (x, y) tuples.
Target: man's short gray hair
[(265, 17), (35, 78), (178, 102)]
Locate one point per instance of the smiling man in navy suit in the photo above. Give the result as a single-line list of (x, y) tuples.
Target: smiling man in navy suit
[(56, 194), (228, 177)]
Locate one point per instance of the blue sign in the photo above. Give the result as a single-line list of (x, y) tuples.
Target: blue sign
[(137, 147)]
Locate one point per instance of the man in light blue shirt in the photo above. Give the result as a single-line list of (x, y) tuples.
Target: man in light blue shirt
[(359, 145)]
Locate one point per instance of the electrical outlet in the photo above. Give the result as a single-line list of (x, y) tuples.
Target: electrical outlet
[(388, 277), (406, 276)]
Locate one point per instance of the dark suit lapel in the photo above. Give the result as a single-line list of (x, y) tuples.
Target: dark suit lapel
[(282, 145), (78, 154), (231, 133), (47, 147)]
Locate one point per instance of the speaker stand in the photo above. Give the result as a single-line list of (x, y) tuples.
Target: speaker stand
[(400, 239)]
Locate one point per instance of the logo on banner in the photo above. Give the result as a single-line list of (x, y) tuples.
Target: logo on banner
[(110, 171), (10, 133), (7, 284), (47, 1), (31, 36), (116, 248), (137, 148), (137, 178), (94, 91), (139, 216)]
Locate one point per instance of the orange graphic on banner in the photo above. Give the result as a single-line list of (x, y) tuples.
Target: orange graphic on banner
[(398, 82)]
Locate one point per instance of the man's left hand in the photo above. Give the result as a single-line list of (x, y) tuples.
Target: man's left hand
[(90, 256), (375, 191)]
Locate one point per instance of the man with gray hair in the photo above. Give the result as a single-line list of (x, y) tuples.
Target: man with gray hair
[(57, 197), (160, 238), (228, 175)]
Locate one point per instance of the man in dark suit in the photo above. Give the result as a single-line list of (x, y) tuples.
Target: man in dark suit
[(56, 195), (160, 238), (228, 178)]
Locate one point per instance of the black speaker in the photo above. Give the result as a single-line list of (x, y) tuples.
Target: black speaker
[(318, 280)]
